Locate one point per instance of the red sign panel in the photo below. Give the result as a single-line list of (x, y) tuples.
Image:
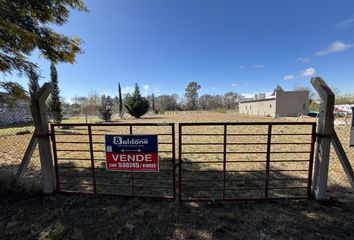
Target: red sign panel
[(132, 153)]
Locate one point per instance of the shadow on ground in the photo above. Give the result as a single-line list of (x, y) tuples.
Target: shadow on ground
[(76, 216)]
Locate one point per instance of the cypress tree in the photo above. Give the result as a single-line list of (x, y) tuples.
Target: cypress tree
[(55, 103), (136, 105), (120, 104), (33, 82), (153, 102)]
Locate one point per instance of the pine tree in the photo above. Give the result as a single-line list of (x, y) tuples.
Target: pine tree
[(136, 105), (55, 103), (33, 82), (120, 103)]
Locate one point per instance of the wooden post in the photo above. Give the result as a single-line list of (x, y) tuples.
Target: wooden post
[(40, 119), (325, 132)]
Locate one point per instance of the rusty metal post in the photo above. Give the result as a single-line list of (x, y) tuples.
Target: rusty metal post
[(173, 160), (92, 157), (180, 162), (269, 143), (55, 155), (224, 161), (132, 172), (312, 150)]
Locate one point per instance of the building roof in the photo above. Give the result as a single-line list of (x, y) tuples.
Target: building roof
[(258, 100)]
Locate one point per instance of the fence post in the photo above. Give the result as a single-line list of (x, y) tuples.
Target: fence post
[(324, 134), (40, 119)]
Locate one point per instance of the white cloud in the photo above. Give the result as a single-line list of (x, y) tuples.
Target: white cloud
[(235, 85), (308, 72), (289, 77), (127, 89), (242, 67), (336, 46), (303, 59), (146, 87), (258, 66), (345, 24)]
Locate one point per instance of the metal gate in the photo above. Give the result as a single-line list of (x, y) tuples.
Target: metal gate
[(245, 161), (78, 151)]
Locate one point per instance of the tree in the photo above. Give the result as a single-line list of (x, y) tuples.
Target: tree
[(136, 105), (277, 88), (14, 90), (191, 94), (153, 102), (82, 102), (231, 100), (120, 101), (167, 102), (33, 83), (105, 108), (25, 26), (55, 107)]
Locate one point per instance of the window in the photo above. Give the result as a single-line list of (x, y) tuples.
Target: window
[(270, 106), (304, 106)]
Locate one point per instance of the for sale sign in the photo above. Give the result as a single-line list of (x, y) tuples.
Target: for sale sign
[(132, 153)]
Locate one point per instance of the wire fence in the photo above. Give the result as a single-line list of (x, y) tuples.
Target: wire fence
[(338, 183), (14, 139)]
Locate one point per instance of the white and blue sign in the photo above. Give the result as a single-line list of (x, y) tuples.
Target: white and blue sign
[(131, 152)]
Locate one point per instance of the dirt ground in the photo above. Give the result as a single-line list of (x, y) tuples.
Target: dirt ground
[(38, 216), (104, 217)]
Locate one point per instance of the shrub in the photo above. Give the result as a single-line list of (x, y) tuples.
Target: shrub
[(136, 105), (105, 108)]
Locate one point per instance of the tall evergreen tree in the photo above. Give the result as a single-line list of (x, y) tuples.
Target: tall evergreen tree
[(153, 102), (120, 99), (55, 103), (33, 82), (136, 105)]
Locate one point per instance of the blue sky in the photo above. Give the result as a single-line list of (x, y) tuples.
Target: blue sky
[(244, 46)]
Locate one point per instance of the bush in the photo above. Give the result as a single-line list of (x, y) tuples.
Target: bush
[(105, 108), (136, 105)]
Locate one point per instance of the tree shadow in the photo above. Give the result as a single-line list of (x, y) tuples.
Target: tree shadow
[(73, 216)]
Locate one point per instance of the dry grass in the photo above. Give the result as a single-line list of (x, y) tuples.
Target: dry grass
[(104, 217)]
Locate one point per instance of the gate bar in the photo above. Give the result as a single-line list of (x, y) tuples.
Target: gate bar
[(312, 150), (180, 162), (92, 160), (269, 139), (224, 161), (173, 161), (132, 172), (55, 156)]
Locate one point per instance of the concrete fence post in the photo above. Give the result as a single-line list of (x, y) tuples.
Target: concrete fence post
[(40, 119), (324, 134)]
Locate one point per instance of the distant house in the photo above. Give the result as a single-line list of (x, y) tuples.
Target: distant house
[(281, 103), (14, 111)]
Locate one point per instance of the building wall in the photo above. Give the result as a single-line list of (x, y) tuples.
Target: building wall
[(292, 103), (265, 107), (19, 113)]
